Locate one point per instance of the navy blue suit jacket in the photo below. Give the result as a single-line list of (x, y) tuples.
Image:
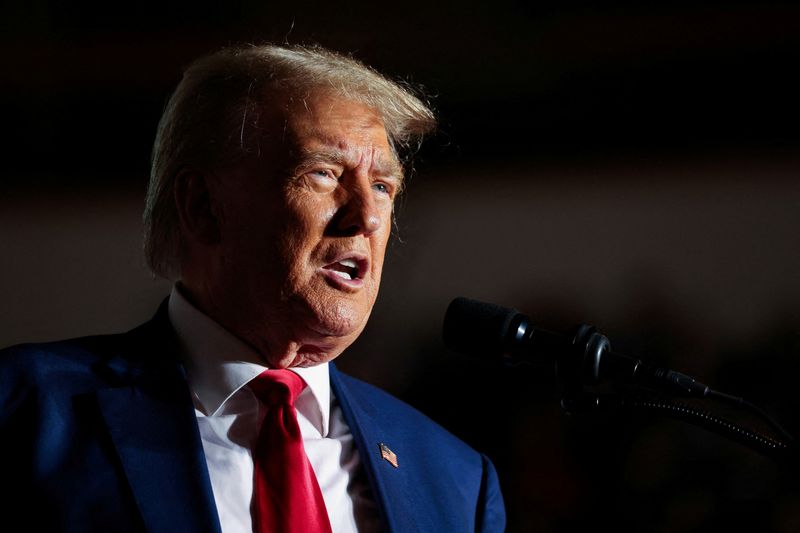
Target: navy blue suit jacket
[(99, 434)]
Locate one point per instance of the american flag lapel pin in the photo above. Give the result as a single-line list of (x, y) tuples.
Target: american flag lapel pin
[(388, 455)]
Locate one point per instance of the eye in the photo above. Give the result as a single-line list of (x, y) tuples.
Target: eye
[(384, 188), (319, 179), (322, 173)]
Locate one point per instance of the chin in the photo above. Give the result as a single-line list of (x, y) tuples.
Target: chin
[(339, 319)]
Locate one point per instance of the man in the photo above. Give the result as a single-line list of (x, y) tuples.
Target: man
[(274, 175)]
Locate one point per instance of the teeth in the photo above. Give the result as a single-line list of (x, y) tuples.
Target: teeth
[(344, 275), (348, 263)]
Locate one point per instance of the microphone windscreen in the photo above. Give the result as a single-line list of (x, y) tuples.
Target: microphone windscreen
[(477, 328)]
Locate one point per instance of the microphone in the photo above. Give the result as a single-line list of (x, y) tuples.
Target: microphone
[(491, 331)]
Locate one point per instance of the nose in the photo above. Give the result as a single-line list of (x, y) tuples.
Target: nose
[(359, 213)]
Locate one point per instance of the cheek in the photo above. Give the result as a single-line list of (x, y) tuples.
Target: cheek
[(305, 209), (303, 227), (381, 239), (379, 245), (253, 239)]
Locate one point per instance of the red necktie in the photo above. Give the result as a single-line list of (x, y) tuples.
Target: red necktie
[(286, 495)]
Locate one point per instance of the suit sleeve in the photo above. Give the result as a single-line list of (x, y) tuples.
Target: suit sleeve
[(491, 516)]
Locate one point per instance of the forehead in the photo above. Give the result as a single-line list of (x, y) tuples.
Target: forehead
[(328, 124)]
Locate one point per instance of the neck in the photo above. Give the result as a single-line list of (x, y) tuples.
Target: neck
[(275, 344)]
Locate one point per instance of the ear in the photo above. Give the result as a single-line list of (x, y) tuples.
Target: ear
[(196, 207)]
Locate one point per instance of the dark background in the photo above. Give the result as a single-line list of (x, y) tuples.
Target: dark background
[(632, 166)]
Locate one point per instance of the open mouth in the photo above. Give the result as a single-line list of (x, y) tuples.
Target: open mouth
[(348, 269)]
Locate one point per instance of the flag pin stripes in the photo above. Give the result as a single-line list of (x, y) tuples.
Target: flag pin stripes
[(388, 455)]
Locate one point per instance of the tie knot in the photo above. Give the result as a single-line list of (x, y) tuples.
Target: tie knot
[(277, 387)]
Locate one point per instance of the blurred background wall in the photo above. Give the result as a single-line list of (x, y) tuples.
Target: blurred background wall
[(633, 166)]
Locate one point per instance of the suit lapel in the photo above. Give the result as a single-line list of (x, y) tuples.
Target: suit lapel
[(150, 418), (392, 487), (159, 447)]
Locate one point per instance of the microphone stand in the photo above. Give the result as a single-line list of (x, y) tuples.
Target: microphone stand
[(584, 360), (591, 361)]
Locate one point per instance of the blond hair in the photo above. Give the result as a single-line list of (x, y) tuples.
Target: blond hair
[(212, 120)]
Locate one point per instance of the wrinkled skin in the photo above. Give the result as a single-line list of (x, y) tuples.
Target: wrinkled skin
[(263, 237)]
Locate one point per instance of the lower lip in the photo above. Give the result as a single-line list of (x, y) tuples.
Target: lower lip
[(341, 283)]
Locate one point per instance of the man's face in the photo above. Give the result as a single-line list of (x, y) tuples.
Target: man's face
[(304, 228)]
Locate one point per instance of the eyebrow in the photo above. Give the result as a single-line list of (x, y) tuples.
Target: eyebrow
[(384, 168)]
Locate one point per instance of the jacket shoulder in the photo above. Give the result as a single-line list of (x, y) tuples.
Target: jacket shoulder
[(63, 368), (33, 359)]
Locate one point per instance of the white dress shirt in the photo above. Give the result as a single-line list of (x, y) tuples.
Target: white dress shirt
[(219, 366)]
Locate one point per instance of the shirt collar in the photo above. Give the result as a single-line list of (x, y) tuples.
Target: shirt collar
[(218, 364)]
